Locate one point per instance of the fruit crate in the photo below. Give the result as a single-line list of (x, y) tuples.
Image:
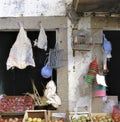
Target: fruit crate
[(58, 117), (11, 117), (15, 104), (80, 117), (102, 117), (35, 116)]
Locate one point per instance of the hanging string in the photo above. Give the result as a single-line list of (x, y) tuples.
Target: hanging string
[(20, 24)]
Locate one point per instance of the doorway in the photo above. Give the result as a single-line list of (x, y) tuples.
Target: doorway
[(113, 75), (18, 81)]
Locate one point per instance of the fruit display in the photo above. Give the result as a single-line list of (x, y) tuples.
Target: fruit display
[(14, 104), (102, 118), (58, 117), (35, 116), (116, 113), (57, 120), (35, 119), (11, 119), (81, 119)]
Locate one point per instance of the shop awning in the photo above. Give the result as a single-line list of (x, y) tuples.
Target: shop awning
[(112, 6)]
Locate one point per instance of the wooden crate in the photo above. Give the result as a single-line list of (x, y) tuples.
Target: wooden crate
[(35, 114), (101, 116)]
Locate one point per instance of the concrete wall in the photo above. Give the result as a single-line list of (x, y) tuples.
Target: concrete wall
[(33, 7), (79, 90)]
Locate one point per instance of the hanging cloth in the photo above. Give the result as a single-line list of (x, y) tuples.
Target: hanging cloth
[(107, 51), (107, 47), (21, 54), (42, 39)]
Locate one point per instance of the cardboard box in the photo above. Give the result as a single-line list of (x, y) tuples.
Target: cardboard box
[(97, 103), (35, 114)]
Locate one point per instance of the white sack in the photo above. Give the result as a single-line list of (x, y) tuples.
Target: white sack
[(21, 54), (50, 94)]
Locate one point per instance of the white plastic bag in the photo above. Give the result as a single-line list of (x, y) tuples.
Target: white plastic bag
[(21, 54), (101, 80), (50, 94)]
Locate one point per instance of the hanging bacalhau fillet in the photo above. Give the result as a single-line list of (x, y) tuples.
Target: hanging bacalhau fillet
[(21, 54), (41, 42)]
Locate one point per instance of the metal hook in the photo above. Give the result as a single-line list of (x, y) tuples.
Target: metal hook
[(40, 24), (20, 24)]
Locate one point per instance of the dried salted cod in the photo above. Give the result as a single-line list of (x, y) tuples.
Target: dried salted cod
[(42, 40), (21, 54)]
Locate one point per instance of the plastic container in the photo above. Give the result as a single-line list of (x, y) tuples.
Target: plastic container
[(99, 93)]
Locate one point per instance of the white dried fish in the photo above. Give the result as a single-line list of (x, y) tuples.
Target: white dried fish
[(21, 54)]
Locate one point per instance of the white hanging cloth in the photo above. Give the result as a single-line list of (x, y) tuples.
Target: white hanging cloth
[(42, 39), (21, 54)]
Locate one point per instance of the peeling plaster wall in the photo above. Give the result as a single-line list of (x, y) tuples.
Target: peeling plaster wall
[(33, 7), (79, 90)]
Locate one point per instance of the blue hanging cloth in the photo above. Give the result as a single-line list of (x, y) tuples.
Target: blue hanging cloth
[(107, 46)]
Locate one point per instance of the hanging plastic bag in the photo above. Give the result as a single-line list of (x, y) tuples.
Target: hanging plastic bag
[(21, 54), (55, 58), (50, 94), (107, 46), (42, 39), (46, 71), (101, 80)]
